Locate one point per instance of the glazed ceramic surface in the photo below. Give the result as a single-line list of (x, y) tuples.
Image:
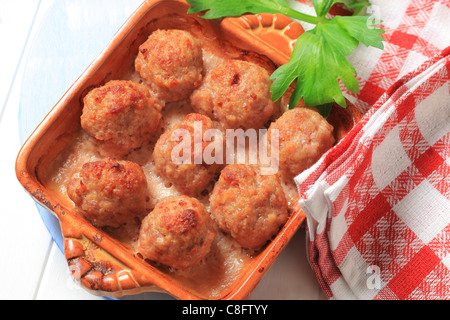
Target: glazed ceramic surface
[(102, 264)]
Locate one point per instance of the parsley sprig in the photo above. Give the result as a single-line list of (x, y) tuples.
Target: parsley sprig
[(318, 61)]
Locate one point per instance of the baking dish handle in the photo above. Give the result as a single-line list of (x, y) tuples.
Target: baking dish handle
[(95, 269), (276, 33)]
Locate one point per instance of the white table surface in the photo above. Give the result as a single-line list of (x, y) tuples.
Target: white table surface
[(32, 266)]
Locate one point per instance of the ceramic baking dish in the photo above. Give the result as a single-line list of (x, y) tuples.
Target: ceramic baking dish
[(99, 262)]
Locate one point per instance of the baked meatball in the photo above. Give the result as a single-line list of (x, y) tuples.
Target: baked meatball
[(188, 175), (177, 233), (236, 93), (109, 192), (249, 206), (121, 115), (171, 62), (304, 135)]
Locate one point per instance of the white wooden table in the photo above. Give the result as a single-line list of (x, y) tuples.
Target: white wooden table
[(45, 46)]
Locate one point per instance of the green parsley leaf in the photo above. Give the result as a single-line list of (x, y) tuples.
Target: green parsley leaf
[(363, 29), (220, 8), (325, 109), (323, 6), (319, 60), (232, 8)]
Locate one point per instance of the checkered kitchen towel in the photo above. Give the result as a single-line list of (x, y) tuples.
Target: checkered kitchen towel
[(378, 203)]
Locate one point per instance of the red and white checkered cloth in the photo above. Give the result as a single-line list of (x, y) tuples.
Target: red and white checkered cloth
[(378, 203)]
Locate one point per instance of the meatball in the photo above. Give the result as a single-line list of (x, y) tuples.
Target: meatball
[(109, 192), (236, 93), (171, 62), (249, 206), (304, 135), (121, 115), (177, 233), (186, 172)]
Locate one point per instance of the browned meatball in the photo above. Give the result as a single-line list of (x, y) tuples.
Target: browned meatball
[(189, 176), (249, 206), (109, 192), (304, 135), (177, 233), (236, 93), (171, 62), (121, 115)]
